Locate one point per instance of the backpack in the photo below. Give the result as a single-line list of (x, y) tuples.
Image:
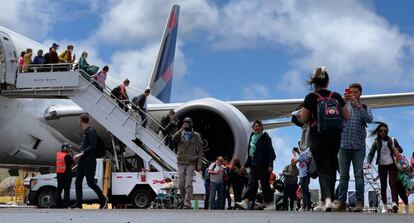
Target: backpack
[(328, 115), (115, 91), (100, 148)]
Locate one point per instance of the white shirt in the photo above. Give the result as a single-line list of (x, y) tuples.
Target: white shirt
[(385, 155)]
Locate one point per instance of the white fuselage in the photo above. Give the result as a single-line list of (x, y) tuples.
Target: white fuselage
[(26, 136)]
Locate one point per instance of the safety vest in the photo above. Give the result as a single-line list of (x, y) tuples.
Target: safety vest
[(60, 162)]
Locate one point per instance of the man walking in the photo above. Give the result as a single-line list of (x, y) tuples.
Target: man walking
[(353, 148), (216, 171), (189, 158), (87, 164), (290, 172), (141, 102)]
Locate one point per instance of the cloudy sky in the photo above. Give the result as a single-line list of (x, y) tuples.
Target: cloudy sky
[(239, 50)]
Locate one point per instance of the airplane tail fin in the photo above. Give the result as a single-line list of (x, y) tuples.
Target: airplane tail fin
[(161, 78)]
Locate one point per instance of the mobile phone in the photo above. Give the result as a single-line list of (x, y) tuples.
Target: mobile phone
[(348, 91)]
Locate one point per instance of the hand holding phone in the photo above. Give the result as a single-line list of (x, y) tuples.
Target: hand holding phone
[(348, 94)]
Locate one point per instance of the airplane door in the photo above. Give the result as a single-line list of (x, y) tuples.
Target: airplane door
[(8, 59)]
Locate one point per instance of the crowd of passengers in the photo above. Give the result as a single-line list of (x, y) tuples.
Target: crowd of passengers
[(53, 61), (329, 152), (333, 137)]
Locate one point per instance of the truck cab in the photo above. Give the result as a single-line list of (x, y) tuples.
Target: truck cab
[(43, 188), (137, 189)]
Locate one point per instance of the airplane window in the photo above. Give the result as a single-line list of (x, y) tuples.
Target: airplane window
[(5, 38)]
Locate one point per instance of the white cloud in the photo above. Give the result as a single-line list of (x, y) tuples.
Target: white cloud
[(28, 17), (143, 21), (348, 36), (137, 65), (282, 148), (355, 43), (293, 83), (256, 91)]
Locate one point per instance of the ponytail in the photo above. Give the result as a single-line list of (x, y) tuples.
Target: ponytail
[(319, 78)]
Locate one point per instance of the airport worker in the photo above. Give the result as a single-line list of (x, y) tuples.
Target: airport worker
[(87, 164), (261, 156), (189, 158), (353, 148), (64, 174)]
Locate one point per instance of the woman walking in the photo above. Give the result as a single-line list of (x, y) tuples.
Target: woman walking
[(384, 145)]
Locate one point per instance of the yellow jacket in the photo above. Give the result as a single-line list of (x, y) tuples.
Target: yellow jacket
[(66, 57)]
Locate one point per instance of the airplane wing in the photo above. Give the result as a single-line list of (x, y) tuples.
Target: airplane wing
[(273, 109)]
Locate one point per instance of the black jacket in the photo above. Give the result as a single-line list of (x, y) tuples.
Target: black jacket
[(377, 145), (139, 100), (264, 154), (88, 144)]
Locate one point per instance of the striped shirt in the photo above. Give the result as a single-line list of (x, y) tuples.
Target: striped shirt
[(354, 133)]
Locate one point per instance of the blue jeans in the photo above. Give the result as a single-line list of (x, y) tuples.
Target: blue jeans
[(345, 157), (143, 113), (216, 188)]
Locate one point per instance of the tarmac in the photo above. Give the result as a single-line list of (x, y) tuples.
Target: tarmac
[(26, 215)]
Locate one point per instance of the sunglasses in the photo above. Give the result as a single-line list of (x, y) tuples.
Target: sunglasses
[(383, 130)]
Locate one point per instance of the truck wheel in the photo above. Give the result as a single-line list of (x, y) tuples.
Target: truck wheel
[(46, 198), (141, 199)]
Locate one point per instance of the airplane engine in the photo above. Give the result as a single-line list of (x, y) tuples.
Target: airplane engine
[(224, 129)]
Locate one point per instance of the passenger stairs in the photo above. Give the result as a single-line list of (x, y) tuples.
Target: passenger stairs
[(373, 184), (124, 125)]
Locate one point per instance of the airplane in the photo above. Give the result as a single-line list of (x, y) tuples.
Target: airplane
[(32, 130)]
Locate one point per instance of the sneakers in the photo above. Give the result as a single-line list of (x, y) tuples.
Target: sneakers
[(338, 206), (104, 203), (242, 205), (320, 207), (359, 207), (328, 205), (406, 209), (76, 206), (394, 207), (270, 206), (384, 209)]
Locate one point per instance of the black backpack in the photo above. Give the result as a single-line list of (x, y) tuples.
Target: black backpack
[(100, 148), (312, 169), (329, 115), (115, 92)]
